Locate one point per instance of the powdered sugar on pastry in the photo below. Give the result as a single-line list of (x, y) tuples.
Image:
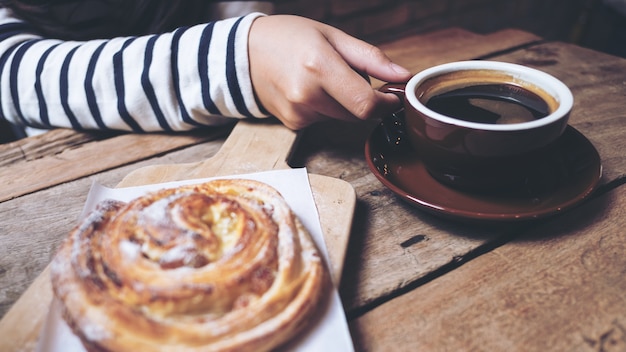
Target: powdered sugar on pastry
[(218, 266)]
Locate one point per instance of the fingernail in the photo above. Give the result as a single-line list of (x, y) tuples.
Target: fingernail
[(399, 69)]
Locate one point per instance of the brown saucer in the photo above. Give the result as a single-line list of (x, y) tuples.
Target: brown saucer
[(567, 175)]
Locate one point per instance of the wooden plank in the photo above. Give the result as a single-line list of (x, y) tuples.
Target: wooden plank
[(71, 156), (559, 287), (49, 143), (24, 324), (597, 83)]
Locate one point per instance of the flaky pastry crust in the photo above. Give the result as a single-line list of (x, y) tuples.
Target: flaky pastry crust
[(219, 266)]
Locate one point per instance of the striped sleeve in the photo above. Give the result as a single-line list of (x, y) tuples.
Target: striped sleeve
[(193, 76)]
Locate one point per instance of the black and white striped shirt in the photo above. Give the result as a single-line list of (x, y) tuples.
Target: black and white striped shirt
[(193, 76)]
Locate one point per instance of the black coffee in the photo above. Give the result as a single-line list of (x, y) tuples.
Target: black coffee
[(490, 103)]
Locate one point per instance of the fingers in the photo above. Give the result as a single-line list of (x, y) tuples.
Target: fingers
[(366, 57), (350, 90), (304, 72), (347, 87), (297, 111)]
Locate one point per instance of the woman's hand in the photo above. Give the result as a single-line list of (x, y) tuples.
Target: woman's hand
[(304, 71)]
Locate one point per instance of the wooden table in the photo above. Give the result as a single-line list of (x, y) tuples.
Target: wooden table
[(411, 280)]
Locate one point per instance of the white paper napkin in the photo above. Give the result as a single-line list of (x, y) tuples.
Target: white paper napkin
[(330, 331)]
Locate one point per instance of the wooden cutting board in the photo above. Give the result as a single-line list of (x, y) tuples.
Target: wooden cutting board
[(252, 146)]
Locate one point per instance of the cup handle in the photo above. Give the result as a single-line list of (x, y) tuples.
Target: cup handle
[(393, 126), (395, 88)]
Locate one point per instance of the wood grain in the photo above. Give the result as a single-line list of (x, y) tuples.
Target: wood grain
[(251, 146), (558, 287), (62, 155), (21, 326)]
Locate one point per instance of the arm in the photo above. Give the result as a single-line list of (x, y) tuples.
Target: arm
[(190, 77)]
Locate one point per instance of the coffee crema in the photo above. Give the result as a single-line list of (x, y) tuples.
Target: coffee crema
[(483, 96)]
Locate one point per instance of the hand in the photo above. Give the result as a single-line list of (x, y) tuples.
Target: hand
[(304, 71)]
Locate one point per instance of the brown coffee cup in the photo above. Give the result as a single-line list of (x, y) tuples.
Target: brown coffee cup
[(481, 125)]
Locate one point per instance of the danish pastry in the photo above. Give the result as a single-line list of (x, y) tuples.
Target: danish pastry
[(223, 265)]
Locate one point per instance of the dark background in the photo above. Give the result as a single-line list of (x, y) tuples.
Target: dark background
[(589, 23)]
